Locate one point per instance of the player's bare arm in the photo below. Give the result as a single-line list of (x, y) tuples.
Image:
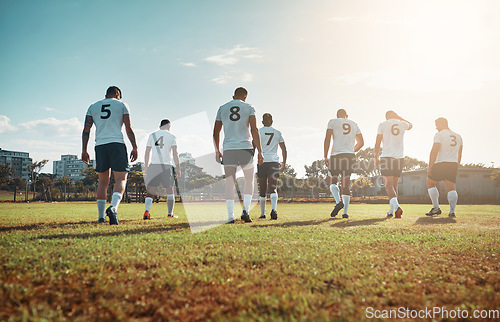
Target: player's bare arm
[(131, 136), (326, 145), (378, 142), (256, 138), (147, 154), (85, 138), (284, 154), (402, 119), (360, 142), (433, 156), (216, 137), (176, 161)]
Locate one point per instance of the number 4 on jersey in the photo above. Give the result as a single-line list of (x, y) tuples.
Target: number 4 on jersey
[(159, 142)]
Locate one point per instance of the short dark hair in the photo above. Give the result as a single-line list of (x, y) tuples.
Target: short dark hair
[(267, 119), (341, 113), (113, 90), (164, 122), (240, 92)]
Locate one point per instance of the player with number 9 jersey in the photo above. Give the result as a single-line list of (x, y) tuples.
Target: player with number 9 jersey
[(344, 135)]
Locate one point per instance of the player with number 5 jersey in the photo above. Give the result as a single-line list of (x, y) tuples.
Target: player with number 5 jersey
[(444, 161), (109, 115), (347, 139)]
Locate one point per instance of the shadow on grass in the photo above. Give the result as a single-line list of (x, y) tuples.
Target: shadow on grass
[(357, 223), (293, 223), (45, 225), (135, 231), (435, 220)]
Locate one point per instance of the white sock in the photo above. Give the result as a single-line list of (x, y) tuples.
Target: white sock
[(115, 200), (391, 208), (262, 201), (148, 202), (434, 194), (230, 209), (247, 200), (274, 200), (170, 204), (394, 203), (346, 199), (101, 207), (452, 199), (335, 192)]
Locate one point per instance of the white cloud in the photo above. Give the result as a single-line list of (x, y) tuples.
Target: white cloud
[(424, 79), (247, 77), (188, 64), (5, 125), (234, 55), (50, 109), (53, 127), (221, 79)]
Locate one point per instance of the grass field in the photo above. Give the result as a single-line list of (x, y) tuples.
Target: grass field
[(57, 263)]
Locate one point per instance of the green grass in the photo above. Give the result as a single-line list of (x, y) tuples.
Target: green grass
[(58, 264)]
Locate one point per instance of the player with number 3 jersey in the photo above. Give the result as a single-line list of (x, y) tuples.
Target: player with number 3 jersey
[(444, 161), (347, 139)]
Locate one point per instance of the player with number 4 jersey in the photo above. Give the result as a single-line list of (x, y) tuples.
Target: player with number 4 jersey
[(444, 161), (161, 148), (347, 139), (390, 135), (269, 171)]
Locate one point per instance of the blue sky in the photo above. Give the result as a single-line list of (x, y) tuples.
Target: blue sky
[(300, 61)]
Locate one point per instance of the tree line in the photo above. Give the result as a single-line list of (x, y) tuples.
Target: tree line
[(49, 187)]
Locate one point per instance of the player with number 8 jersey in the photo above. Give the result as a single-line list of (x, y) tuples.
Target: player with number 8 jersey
[(240, 136)]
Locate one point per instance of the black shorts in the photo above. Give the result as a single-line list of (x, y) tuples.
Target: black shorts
[(111, 155), (159, 174), (268, 169), (237, 157), (391, 167), (342, 164), (444, 171)]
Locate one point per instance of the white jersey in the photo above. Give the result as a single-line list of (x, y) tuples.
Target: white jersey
[(107, 115), (234, 116), (344, 135), (161, 143), (450, 145), (393, 132), (270, 138)]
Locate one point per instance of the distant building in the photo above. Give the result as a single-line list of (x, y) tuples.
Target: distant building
[(186, 157), (71, 166), (471, 183), (18, 161)]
